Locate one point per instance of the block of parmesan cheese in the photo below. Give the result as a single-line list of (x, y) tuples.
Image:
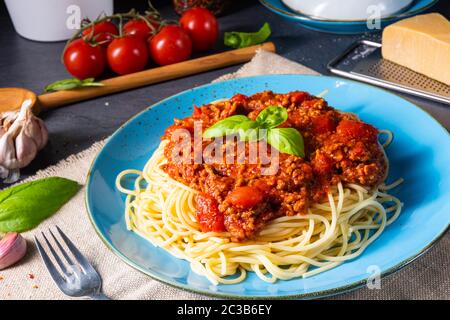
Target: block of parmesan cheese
[(420, 43)]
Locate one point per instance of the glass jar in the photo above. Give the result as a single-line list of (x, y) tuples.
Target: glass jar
[(217, 7)]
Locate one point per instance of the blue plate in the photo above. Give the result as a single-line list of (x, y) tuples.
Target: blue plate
[(343, 27), (419, 154)]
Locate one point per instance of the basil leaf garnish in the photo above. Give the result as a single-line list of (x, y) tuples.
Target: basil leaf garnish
[(226, 126), (272, 117), (24, 206), (68, 84), (248, 131), (245, 39), (287, 140)]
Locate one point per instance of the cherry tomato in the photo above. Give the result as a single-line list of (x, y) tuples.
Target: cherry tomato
[(202, 27), (127, 54), (103, 31), (170, 45), (208, 215), (140, 28), (246, 197), (84, 60)]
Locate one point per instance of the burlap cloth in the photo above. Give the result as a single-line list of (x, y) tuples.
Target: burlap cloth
[(427, 278)]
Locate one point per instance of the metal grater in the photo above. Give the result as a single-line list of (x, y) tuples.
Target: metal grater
[(363, 62)]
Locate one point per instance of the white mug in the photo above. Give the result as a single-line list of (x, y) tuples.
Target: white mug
[(54, 20)]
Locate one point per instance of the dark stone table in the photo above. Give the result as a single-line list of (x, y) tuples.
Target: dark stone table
[(33, 65)]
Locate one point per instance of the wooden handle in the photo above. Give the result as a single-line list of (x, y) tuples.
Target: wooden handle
[(150, 76)]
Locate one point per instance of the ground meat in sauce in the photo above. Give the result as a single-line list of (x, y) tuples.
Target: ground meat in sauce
[(239, 199)]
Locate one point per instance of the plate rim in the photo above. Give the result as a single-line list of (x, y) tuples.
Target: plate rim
[(311, 295), (304, 17)]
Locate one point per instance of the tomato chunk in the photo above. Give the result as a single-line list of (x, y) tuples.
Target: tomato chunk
[(197, 112), (208, 215), (239, 98), (357, 130), (323, 164), (246, 197), (262, 186), (323, 124), (299, 96)]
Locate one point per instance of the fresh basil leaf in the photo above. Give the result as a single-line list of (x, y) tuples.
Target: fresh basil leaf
[(68, 84), (65, 84), (246, 39), (226, 126), (90, 82), (287, 140), (248, 131), (272, 117), (24, 206)]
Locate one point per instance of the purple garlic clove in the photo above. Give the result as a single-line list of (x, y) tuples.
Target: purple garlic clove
[(12, 248)]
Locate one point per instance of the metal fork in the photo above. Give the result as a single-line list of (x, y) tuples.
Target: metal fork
[(78, 279)]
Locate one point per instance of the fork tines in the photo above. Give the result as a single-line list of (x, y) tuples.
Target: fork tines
[(72, 273)]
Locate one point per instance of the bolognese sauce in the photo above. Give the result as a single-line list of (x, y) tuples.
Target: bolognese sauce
[(236, 197)]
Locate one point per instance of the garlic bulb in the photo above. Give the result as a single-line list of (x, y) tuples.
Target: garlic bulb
[(22, 135), (12, 248)]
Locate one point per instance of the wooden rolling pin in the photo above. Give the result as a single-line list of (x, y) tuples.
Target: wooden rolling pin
[(12, 98)]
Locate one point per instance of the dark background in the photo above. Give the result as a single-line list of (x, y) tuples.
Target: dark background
[(33, 65)]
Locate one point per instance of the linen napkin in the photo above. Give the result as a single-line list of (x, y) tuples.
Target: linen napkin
[(426, 278)]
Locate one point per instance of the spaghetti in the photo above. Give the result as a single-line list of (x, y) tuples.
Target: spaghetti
[(162, 210)]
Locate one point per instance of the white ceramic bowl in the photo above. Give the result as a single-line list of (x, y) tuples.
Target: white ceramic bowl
[(53, 20), (347, 10)]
